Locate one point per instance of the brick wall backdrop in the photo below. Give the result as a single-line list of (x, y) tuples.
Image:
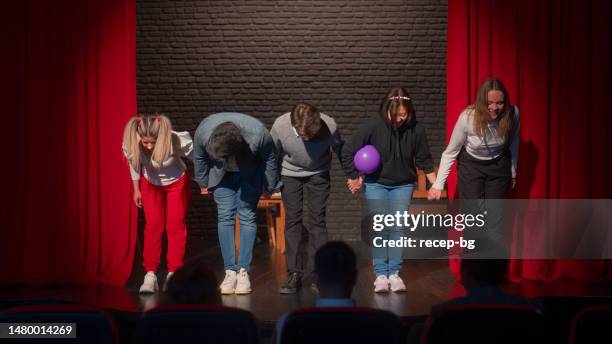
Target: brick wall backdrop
[(195, 58)]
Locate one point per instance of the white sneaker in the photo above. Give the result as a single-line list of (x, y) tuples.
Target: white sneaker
[(381, 284), (397, 285), (150, 283), (243, 286), (168, 276), (229, 283)]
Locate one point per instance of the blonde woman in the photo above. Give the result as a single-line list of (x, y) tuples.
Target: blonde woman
[(161, 188)]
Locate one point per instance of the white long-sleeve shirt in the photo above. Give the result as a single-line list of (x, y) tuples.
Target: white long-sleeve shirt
[(172, 168), (490, 148)]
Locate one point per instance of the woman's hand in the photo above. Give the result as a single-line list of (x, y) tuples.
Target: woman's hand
[(204, 191), (137, 194), (265, 194), (354, 184), (138, 198), (434, 194)]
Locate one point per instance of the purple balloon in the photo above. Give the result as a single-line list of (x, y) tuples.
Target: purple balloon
[(367, 159)]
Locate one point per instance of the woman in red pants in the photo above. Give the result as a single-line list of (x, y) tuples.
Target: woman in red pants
[(161, 188)]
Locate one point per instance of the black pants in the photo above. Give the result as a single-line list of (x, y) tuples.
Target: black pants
[(484, 179), (317, 193), (483, 186)]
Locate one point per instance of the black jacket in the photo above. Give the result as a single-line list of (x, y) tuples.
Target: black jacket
[(402, 150)]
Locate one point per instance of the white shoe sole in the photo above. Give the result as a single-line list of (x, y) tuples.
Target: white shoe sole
[(243, 292), (227, 292), (146, 290), (381, 291)]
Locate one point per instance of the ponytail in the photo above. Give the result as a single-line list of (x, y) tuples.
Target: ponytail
[(158, 126), (131, 141), (163, 147)]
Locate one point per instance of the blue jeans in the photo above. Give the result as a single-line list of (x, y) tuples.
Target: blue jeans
[(384, 199), (231, 195)]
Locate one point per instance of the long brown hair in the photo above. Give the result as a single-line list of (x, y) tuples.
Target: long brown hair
[(137, 127), (507, 120), (395, 98)]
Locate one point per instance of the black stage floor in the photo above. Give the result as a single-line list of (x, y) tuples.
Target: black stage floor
[(428, 282)]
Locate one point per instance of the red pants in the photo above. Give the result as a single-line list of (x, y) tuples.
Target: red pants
[(165, 206)]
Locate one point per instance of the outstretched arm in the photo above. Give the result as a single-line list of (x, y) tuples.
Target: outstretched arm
[(268, 155), (201, 161), (449, 155), (359, 139)]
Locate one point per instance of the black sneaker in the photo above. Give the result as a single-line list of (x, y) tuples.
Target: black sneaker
[(293, 284)]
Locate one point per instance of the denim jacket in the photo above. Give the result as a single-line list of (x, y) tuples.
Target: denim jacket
[(260, 161)]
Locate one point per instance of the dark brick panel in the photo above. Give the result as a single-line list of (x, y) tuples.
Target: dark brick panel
[(195, 58)]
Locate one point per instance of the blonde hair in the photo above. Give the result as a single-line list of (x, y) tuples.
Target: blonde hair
[(137, 127)]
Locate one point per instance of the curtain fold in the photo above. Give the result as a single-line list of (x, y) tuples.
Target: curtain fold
[(554, 58), (70, 86)]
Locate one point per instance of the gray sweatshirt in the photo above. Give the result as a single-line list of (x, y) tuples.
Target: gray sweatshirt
[(302, 158)]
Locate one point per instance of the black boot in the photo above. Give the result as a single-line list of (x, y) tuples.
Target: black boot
[(293, 284)]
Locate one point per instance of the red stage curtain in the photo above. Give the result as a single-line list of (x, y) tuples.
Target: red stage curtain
[(68, 70), (554, 57)]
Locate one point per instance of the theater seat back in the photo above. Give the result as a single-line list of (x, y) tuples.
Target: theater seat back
[(592, 325), (333, 325), (197, 324), (484, 324)]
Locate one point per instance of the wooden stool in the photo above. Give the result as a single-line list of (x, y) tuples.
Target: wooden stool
[(275, 224)]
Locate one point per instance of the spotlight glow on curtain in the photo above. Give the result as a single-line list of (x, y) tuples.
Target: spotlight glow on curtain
[(554, 57), (68, 88)]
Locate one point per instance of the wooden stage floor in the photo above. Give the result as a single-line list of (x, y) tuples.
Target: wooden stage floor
[(428, 282)]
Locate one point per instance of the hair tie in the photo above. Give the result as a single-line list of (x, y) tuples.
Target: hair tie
[(139, 119), (157, 118), (399, 98)]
